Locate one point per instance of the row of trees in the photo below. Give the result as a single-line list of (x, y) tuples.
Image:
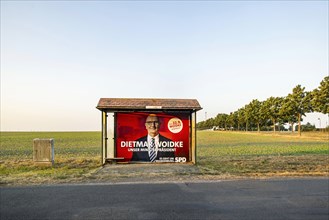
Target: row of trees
[(274, 111)]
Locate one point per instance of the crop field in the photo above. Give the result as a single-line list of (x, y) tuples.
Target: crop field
[(263, 154), (78, 155)]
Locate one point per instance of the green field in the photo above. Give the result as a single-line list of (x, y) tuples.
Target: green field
[(77, 155), (18, 145), (263, 154)]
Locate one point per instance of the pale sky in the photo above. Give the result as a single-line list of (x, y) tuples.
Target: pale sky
[(59, 57)]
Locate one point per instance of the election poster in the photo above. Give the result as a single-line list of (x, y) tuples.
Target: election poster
[(153, 137)]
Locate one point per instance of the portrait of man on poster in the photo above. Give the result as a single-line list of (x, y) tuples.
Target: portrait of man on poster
[(151, 148)]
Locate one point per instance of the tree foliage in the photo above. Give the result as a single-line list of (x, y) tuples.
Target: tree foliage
[(298, 104), (320, 97), (274, 111)]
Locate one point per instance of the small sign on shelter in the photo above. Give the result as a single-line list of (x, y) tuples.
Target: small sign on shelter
[(148, 130)]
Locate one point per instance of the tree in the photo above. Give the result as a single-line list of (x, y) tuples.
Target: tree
[(247, 115), (254, 112), (271, 109), (209, 123), (299, 103), (232, 120), (287, 113), (205, 124), (320, 97), (275, 110), (221, 120), (241, 117), (225, 120)]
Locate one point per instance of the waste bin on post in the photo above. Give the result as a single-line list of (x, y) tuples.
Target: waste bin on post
[(43, 151)]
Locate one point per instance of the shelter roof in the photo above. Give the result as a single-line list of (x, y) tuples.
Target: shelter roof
[(121, 104)]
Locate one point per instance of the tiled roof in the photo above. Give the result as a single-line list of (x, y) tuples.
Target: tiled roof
[(115, 104)]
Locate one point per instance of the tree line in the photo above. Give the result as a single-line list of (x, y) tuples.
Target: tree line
[(274, 112)]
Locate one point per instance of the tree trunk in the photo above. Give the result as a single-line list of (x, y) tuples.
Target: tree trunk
[(273, 120), (258, 128), (292, 127)]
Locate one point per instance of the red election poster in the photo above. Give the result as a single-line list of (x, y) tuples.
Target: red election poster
[(153, 137)]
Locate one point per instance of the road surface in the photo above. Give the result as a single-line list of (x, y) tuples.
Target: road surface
[(305, 198)]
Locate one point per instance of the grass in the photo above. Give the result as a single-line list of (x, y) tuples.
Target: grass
[(248, 144), (68, 144), (263, 154), (77, 155)]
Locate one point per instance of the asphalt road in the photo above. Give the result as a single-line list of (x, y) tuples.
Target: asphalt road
[(238, 199)]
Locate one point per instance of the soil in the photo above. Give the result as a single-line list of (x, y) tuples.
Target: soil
[(153, 173)]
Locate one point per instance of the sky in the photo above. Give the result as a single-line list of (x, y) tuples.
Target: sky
[(58, 58)]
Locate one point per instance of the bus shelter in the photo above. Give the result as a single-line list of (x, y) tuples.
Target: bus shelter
[(138, 130)]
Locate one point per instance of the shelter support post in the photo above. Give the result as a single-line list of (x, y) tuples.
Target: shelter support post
[(104, 137), (193, 137)]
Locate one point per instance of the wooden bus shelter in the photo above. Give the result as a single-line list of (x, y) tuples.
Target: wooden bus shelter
[(122, 121)]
